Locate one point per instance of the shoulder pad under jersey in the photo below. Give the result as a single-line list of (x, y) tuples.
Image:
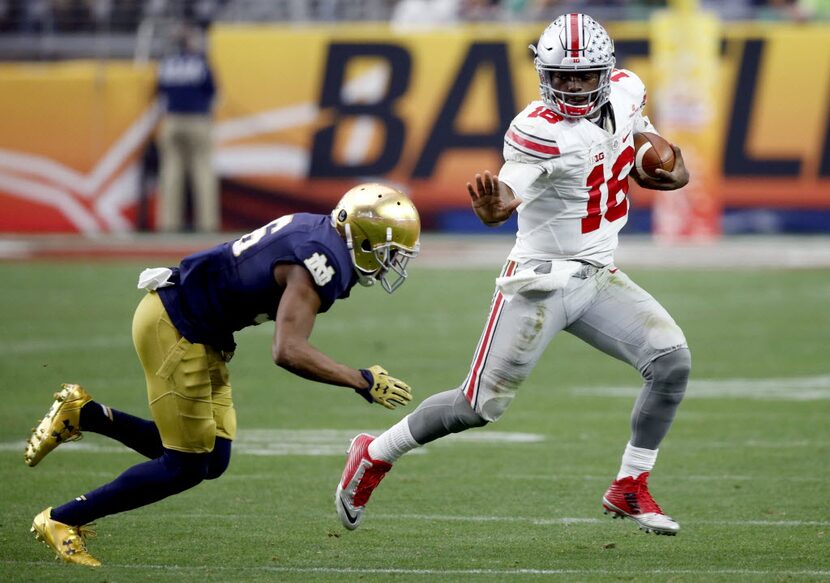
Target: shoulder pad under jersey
[(531, 137), (629, 83)]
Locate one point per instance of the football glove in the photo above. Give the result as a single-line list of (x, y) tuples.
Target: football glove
[(383, 389)]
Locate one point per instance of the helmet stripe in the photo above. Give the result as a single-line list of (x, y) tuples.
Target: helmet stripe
[(575, 29)]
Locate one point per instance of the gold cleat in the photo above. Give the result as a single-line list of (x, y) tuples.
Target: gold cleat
[(61, 424), (69, 542)]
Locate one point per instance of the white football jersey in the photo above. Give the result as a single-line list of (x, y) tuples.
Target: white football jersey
[(572, 176)]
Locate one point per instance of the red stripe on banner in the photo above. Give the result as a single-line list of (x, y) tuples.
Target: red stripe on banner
[(535, 146), (484, 345), (575, 30)]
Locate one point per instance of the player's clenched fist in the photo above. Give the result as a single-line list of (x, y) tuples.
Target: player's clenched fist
[(384, 390)]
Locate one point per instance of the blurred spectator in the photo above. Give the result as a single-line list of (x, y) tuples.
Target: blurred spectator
[(473, 10), (775, 10), (814, 9), (187, 91), (37, 17), (424, 13), (101, 12), (70, 16), (5, 14), (203, 12), (125, 16)]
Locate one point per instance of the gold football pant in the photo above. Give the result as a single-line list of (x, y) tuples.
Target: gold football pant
[(187, 384)]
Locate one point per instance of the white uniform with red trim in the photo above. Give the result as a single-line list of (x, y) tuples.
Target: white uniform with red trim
[(572, 176)]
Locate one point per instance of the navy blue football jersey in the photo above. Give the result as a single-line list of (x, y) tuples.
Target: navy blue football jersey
[(231, 286)]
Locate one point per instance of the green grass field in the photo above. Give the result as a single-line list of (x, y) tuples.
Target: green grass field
[(745, 469)]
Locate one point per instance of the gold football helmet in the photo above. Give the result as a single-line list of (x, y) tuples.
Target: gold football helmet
[(381, 228)]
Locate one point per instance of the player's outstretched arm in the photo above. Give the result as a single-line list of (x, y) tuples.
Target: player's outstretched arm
[(677, 178), (291, 349), (492, 201)]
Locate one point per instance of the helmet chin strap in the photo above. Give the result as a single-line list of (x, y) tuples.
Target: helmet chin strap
[(362, 278), (349, 243)]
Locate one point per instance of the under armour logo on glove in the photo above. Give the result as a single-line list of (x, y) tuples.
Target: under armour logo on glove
[(383, 389)]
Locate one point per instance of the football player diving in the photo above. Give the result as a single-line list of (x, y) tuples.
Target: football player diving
[(288, 271), (567, 162)]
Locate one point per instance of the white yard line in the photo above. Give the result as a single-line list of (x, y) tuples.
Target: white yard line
[(446, 251), (52, 345), (529, 520), (333, 442), (812, 388), (582, 520), (17, 447), (301, 442), (666, 477), (433, 572)]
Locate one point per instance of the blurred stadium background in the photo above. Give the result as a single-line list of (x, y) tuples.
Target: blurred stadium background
[(318, 95)]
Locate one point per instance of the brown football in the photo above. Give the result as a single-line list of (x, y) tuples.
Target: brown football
[(651, 152)]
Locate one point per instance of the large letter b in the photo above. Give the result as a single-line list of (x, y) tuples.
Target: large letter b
[(351, 102)]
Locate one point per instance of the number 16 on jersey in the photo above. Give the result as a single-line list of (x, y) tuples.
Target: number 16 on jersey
[(615, 207)]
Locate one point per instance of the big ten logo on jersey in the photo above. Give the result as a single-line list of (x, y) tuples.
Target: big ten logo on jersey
[(254, 237), (319, 268), (610, 186)]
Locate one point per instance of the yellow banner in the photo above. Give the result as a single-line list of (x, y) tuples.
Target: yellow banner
[(686, 72), (306, 112), (71, 135)]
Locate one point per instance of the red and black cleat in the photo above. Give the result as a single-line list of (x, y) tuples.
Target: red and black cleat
[(629, 498)]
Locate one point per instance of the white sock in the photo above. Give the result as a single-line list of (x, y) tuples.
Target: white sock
[(636, 460), (393, 443)]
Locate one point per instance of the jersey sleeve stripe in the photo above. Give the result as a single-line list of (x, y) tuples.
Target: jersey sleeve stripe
[(519, 131), (531, 146), (526, 152)]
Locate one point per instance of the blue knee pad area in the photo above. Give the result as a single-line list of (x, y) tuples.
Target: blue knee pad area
[(191, 468), (184, 470), (220, 458)]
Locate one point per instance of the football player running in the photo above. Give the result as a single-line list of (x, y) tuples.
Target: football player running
[(288, 271), (567, 162)]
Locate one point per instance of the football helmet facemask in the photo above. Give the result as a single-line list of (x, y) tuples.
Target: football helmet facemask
[(574, 43), (381, 228)]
